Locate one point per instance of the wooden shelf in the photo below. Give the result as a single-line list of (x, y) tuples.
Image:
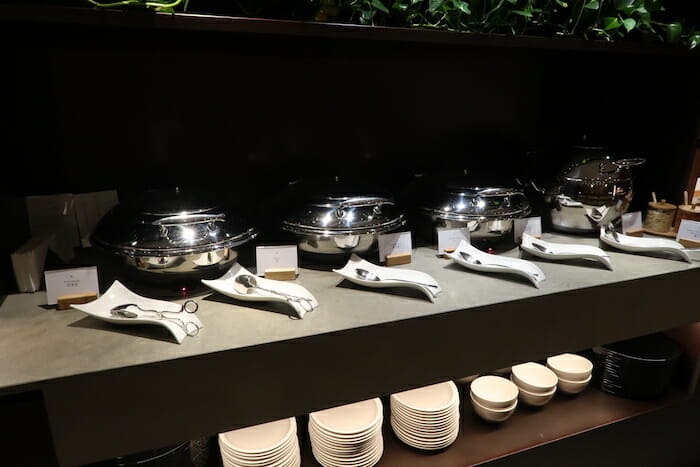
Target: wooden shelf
[(228, 24), (480, 442)]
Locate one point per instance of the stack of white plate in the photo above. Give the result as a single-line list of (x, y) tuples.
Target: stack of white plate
[(350, 435), (536, 383), (428, 417), (273, 444)]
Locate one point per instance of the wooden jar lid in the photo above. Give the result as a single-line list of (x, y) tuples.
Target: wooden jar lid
[(662, 205), (689, 208)]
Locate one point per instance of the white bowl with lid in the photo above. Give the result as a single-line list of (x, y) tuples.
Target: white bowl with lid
[(534, 378), (494, 391), (570, 367)]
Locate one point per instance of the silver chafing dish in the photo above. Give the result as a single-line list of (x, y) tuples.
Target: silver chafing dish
[(592, 190), (488, 212), (343, 224), (173, 233)]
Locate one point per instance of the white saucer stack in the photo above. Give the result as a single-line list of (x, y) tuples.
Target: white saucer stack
[(428, 417), (349, 435), (273, 444)]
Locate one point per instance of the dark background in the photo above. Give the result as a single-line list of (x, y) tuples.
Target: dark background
[(92, 107)]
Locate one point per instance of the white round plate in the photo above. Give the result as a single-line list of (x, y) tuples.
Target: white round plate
[(323, 444), (439, 417), (425, 439), (426, 430), (349, 419), (346, 438), (429, 399), (426, 446), (286, 459), (260, 439), (370, 457)]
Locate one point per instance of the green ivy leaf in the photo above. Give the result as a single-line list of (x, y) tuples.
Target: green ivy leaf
[(673, 33), (400, 6), (434, 5), (629, 23), (527, 14), (624, 4), (380, 6), (512, 2), (610, 22), (562, 3), (367, 15), (694, 40), (462, 6), (592, 5)]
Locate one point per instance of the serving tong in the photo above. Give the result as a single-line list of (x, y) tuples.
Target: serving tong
[(189, 306), (251, 284)]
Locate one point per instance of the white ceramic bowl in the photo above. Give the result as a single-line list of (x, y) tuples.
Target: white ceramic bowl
[(491, 414), (534, 378), (573, 387), (570, 367), (536, 399), (494, 391)]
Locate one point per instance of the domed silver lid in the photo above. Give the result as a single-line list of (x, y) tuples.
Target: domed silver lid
[(342, 215), (170, 223), (475, 203), (595, 164)]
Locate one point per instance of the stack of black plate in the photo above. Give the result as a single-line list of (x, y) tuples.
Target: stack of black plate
[(639, 368)]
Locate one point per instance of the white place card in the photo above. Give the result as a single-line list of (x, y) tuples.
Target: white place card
[(529, 225), (449, 238), (631, 221), (689, 230), (276, 257), (394, 244), (70, 282)]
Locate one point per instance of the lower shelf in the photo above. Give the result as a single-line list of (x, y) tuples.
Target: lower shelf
[(480, 442)]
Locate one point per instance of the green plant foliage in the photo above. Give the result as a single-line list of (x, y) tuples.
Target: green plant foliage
[(646, 20), (158, 5)]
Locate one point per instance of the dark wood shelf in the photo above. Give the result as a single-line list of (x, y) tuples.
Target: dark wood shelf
[(480, 442), (228, 24)]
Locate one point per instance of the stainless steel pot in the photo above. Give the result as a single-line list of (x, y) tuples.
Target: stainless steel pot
[(592, 190), (343, 224), (488, 212), (173, 233)]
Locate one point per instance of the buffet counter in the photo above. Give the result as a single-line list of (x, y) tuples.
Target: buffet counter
[(110, 390)]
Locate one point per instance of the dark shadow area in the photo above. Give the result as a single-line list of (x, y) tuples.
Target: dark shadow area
[(506, 276), (147, 331), (407, 292), (576, 262), (274, 307)]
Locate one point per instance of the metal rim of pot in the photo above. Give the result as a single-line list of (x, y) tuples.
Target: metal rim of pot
[(132, 251)]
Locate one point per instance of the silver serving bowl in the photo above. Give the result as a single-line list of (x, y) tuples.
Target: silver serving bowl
[(343, 224)]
